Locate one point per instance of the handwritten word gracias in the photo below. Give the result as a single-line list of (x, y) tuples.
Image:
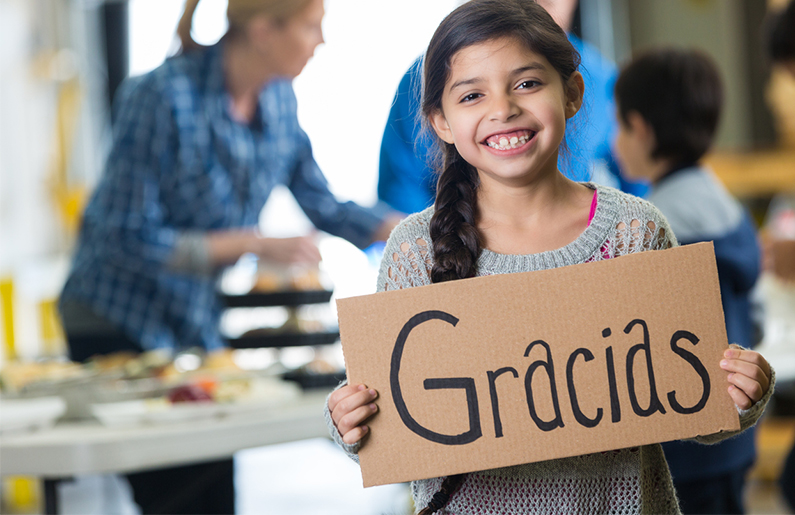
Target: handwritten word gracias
[(547, 366)]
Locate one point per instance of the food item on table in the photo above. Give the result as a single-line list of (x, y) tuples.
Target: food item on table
[(189, 393), (267, 282), (17, 375), (306, 280)]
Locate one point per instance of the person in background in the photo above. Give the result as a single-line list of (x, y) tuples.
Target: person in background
[(781, 37), (405, 177), (669, 104), (500, 83), (780, 33), (198, 145)]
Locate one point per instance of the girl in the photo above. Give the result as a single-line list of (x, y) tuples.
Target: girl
[(500, 81)]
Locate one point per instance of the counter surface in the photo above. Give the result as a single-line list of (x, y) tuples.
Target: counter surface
[(74, 448)]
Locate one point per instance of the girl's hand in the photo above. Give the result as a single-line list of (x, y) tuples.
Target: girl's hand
[(350, 406), (749, 375)]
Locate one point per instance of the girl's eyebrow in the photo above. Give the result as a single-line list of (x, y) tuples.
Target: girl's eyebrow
[(534, 66)]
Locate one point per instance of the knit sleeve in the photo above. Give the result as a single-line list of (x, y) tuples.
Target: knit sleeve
[(352, 450), (405, 263), (640, 227), (407, 258)]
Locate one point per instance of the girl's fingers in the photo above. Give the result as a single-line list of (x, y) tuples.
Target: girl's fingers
[(749, 356), (354, 420), (360, 396), (342, 393), (750, 387), (356, 434), (739, 397), (755, 370)]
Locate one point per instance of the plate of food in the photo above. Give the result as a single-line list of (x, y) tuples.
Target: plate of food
[(30, 414)]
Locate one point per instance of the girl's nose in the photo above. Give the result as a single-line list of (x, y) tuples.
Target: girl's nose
[(503, 108)]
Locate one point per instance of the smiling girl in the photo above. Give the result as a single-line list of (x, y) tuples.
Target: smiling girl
[(500, 82)]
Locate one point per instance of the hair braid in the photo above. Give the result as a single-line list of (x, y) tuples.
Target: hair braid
[(454, 235), (449, 486), (455, 238)]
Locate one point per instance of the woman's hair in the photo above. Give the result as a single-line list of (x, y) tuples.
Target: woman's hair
[(679, 94), (780, 33), (238, 12), (454, 235), (456, 242)]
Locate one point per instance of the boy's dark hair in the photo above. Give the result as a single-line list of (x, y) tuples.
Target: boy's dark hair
[(780, 32), (680, 94)]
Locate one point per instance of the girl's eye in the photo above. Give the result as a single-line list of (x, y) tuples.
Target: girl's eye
[(470, 97), (528, 84)]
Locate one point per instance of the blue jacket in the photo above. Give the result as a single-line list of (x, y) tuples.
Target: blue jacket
[(700, 209)]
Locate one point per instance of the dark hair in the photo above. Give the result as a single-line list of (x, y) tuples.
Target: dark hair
[(454, 235), (780, 33), (456, 242), (680, 94)]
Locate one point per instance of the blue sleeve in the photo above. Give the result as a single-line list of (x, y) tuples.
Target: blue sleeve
[(347, 220), (125, 218), (591, 132), (405, 179)]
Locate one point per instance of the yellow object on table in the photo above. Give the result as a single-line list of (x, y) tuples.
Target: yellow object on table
[(21, 494), (52, 335), (7, 306)]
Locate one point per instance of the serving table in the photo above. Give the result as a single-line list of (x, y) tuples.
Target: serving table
[(88, 447)]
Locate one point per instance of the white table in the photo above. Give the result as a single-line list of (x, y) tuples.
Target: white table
[(87, 447)]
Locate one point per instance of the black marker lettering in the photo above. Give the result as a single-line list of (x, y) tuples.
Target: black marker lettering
[(615, 404), (528, 386), (654, 401), (575, 406), (697, 366), (467, 383), (495, 403)]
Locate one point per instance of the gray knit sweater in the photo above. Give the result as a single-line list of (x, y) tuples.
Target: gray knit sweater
[(633, 480)]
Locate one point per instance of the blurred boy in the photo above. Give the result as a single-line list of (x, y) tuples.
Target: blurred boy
[(669, 103)]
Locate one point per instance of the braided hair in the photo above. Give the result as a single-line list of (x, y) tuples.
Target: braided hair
[(455, 239)]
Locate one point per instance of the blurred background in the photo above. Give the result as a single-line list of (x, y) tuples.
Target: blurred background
[(61, 63)]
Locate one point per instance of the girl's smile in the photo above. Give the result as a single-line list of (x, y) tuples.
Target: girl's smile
[(510, 142)]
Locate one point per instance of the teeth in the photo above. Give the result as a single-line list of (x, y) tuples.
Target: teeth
[(505, 143)]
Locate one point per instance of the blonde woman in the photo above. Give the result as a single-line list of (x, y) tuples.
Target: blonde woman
[(198, 145)]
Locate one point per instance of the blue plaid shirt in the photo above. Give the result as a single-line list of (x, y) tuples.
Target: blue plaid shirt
[(180, 164)]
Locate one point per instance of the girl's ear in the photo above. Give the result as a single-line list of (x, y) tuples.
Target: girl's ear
[(575, 89), (441, 127)]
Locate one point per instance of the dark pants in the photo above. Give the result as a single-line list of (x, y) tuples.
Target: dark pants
[(715, 495), (203, 488)]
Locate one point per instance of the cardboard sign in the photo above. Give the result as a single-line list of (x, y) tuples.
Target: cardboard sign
[(517, 368)]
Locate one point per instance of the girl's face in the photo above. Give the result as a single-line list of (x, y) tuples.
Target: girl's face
[(505, 108)]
